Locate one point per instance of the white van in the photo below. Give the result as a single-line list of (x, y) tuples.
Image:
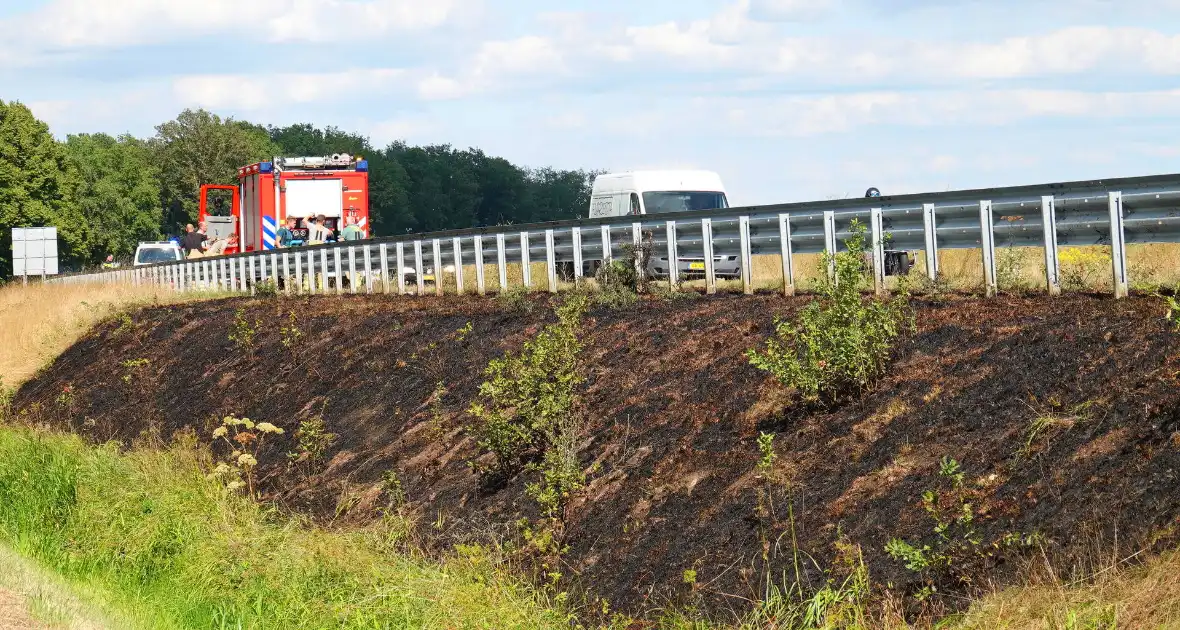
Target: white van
[(655, 192), (663, 192)]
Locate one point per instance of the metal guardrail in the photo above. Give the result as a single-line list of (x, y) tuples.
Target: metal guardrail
[(1111, 212)]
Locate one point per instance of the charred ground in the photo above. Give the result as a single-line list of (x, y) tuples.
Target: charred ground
[(673, 410)]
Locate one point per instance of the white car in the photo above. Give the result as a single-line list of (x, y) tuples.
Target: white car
[(157, 252)]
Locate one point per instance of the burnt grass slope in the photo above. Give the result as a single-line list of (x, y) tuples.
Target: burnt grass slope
[(674, 410)]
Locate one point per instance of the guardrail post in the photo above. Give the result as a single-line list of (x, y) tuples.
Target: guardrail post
[(457, 255), (673, 256), (311, 273), (550, 261), (418, 268), (339, 270), (878, 230), (209, 266), (830, 242), (436, 250), (369, 269), (576, 233), (383, 257), (747, 258), (401, 268), (930, 228), (707, 244), (501, 262), (251, 278), (480, 284), (1052, 264), (352, 269), (286, 274), (298, 273), (324, 270), (784, 237), (988, 242), (525, 262), (1118, 244), (637, 243), (274, 267), (262, 268), (606, 253)]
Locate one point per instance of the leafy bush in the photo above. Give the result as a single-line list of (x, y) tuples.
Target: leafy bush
[(312, 441), (515, 299), (527, 406), (616, 284), (266, 289), (243, 332), (841, 342)]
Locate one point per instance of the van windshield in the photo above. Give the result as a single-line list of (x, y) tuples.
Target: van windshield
[(682, 201), (149, 255)]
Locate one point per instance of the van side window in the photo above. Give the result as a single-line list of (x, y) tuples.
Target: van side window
[(634, 203)]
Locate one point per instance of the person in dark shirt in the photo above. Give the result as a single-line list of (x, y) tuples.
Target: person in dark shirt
[(192, 241)]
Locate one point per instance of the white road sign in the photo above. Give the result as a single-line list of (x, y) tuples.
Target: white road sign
[(34, 251)]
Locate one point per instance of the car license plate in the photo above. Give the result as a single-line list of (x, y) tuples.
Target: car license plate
[(696, 266)]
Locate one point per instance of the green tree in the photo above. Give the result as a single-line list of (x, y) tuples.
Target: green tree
[(37, 185), (119, 191), (306, 140), (202, 148)]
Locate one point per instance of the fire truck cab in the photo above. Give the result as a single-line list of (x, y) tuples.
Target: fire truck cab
[(335, 186)]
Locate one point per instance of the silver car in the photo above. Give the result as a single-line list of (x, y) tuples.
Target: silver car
[(693, 268)]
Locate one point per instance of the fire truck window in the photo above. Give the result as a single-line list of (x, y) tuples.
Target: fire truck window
[(220, 203), (634, 203)]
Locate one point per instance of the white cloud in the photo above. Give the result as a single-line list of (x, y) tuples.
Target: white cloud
[(789, 10), (263, 91), (85, 24)]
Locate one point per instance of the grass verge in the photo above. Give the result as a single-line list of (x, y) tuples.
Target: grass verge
[(38, 322), (148, 531)]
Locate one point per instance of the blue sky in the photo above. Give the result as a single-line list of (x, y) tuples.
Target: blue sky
[(787, 99)]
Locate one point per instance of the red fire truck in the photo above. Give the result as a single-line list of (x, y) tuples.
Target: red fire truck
[(335, 186)]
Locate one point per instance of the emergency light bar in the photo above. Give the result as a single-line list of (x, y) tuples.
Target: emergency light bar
[(335, 160)]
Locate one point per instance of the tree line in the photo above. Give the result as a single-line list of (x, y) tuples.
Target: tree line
[(107, 193)]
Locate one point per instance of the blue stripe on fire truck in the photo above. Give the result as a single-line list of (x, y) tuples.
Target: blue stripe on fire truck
[(268, 232)]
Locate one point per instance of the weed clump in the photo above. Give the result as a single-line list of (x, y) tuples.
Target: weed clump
[(515, 299), (841, 342), (958, 550), (244, 438), (312, 441), (243, 331), (527, 409)]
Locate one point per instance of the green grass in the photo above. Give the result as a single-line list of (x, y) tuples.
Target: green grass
[(152, 536)]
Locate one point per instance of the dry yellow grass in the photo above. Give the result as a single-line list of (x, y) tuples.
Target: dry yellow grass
[(38, 322), (1146, 596)]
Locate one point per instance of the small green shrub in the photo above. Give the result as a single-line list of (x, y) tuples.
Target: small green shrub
[(312, 442), (957, 550), (1173, 304), (132, 368), (243, 331), (515, 299), (527, 408), (841, 342), (290, 332), (266, 289), (616, 284), (1010, 269), (391, 484)]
